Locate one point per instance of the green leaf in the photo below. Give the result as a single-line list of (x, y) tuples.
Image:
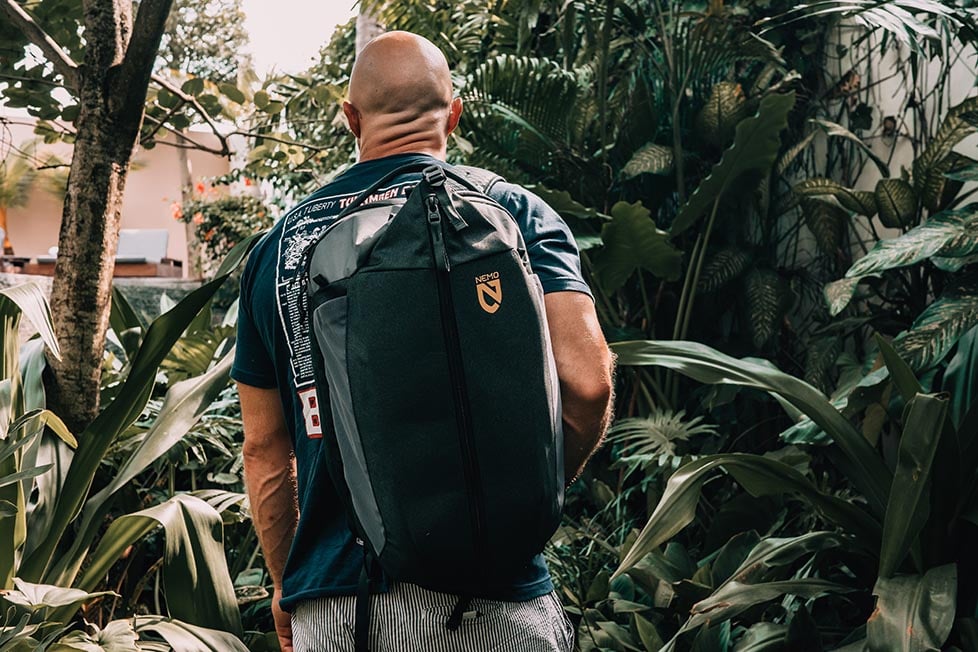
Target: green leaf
[(826, 222), (949, 233), (34, 305), (232, 92), (901, 373), (857, 201), (647, 632), (261, 100), (839, 293), (763, 291), (186, 637), (755, 147), (122, 316), (834, 130), (633, 242), (118, 636), (709, 366), (734, 598), (759, 476), (723, 267), (913, 613), (908, 507), (762, 637), (649, 159), (896, 201), (724, 108), (940, 325), (40, 596), (960, 121), (193, 86), (194, 561)]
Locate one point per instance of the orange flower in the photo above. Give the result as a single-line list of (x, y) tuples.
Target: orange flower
[(177, 210), (198, 218), (209, 235), (200, 187), (247, 181)]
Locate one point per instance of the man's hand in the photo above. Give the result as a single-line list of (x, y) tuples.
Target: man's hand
[(283, 623)]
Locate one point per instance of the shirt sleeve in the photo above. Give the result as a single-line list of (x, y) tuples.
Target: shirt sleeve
[(252, 363), (550, 245)]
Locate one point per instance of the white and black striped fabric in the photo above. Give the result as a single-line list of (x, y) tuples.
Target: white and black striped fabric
[(412, 619)]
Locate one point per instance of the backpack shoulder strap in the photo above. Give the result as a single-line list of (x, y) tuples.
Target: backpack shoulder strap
[(480, 178)]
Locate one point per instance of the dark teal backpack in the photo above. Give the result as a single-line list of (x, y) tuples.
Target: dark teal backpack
[(430, 339)]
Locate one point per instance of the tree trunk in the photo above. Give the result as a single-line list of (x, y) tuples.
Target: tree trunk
[(368, 27), (111, 94), (194, 269)]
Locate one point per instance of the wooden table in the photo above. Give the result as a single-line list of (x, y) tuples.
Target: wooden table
[(166, 267)]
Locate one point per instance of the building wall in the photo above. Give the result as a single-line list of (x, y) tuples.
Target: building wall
[(152, 186)]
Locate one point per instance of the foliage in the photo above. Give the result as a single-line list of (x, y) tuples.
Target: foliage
[(68, 490), (221, 223)]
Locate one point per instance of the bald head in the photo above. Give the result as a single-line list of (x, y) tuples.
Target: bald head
[(400, 96)]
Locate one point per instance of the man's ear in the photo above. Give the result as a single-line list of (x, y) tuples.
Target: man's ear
[(454, 113), (352, 118)]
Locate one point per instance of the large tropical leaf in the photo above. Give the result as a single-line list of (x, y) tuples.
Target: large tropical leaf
[(762, 289), (32, 302), (839, 293), (756, 143), (857, 201), (724, 266), (941, 324), (913, 613), (186, 637), (724, 108), (632, 242), (960, 121), (194, 562), (116, 636), (41, 596), (649, 159), (710, 366), (827, 223), (184, 404), (524, 104), (908, 508), (896, 201), (949, 234), (760, 476)]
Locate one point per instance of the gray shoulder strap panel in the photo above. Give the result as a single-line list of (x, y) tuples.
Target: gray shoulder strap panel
[(482, 179)]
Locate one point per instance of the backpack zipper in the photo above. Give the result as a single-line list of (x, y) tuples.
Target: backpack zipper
[(470, 466)]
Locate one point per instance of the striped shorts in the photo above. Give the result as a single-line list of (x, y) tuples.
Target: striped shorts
[(412, 619)]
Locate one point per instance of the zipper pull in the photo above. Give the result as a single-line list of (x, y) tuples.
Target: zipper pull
[(437, 238)]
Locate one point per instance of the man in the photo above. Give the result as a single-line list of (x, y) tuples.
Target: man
[(401, 111)]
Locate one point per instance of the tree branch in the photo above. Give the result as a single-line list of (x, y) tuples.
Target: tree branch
[(192, 101), (63, 64), (224, 151), (137, 65)]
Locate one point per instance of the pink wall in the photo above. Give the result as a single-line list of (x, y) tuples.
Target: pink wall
[(151, 187)]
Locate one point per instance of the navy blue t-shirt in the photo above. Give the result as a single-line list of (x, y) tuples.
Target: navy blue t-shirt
[(273, 351)]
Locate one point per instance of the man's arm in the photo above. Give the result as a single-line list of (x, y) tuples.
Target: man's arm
[(269, 467), (584, 367)]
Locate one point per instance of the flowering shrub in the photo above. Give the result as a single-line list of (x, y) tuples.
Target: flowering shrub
[(220, 223)]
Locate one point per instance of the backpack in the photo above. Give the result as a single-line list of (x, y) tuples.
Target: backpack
[(429, 336)]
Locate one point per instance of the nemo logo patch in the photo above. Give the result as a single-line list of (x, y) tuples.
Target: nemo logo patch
[(489, 291)]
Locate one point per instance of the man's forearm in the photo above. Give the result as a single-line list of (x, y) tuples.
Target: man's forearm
[(585, 420), (270, 481)]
